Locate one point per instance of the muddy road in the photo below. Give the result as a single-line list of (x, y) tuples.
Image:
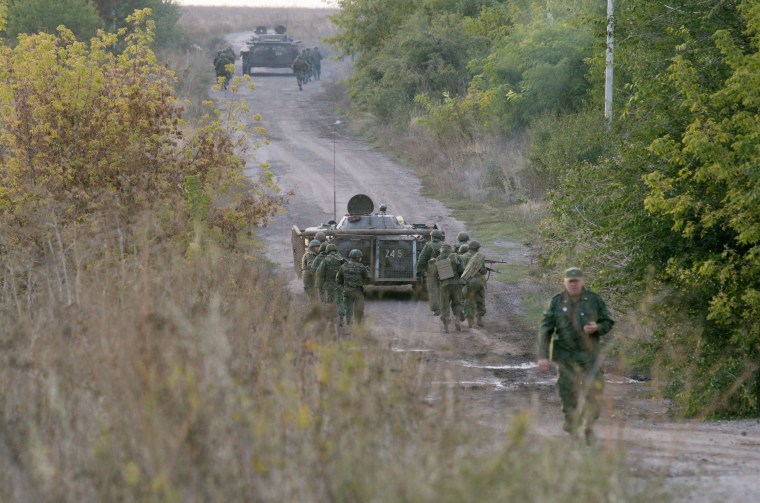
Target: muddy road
[(311, 147)]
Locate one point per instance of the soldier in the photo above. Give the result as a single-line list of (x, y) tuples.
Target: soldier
[(221, 60), (301, 70), (463, 238), (570, 335), (326, 280), (307, 274), (474, 284), (449, 269), (307, 57), (462, 252), (316, 63), (427, 270), (352, 276), (315, 266)]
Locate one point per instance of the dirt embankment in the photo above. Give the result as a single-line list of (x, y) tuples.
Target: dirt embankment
[(311, 147)]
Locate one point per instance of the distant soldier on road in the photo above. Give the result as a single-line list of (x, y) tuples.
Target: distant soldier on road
[(449, 270), (316, 63), (352, 276), (474, 284), (221, 61), (301, 69), (307, 274), (326, 282), (570, 334), (427, 270)]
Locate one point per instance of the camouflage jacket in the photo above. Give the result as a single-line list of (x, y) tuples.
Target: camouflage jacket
[(328, 270), (306, 272), (429, 251), (317, 262), (561, 336), (456, 265), (353, 275)]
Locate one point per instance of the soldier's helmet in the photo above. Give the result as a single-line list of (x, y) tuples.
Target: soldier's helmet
[(320, 236), (463, 249), (331, 248), (354, 254), (436, 234), (445, 248), (463, 237), (314, 243), (323, 248), (474, 245)]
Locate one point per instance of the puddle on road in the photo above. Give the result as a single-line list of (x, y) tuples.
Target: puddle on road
[(520, 366)]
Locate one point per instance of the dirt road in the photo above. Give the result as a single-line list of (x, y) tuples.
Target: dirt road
[(310, 146)]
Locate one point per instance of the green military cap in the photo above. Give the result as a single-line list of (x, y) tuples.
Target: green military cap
[(573, 273)]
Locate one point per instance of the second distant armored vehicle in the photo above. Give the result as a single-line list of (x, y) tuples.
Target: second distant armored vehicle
[(389, 245), (269, 50)]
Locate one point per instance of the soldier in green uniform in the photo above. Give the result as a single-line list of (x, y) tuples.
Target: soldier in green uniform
[(316, 63), (221, 61), (352, 277), (570, 335), (462, 239), (301, 69), (307, 274), (326, 281), (449, 270), (474, 284), (427, 270), (315, 266)]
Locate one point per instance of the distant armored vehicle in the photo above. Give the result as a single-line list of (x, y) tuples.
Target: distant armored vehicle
[(390, 246), (268, 50)]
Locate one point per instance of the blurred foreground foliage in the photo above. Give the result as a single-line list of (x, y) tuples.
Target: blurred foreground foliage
[(661, 207)]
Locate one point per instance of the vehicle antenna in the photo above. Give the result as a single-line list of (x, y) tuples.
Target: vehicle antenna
[(335, 203)]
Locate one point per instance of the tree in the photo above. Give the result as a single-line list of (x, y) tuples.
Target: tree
[(35, 16)]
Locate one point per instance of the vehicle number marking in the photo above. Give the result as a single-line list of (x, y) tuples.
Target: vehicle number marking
[(399, 253)]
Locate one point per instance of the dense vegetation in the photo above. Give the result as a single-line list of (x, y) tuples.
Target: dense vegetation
[(661, 205)]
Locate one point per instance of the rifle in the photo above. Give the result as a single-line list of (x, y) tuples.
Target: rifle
[(490, 269)]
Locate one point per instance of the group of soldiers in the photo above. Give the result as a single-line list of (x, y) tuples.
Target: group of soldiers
[(334, 281), (222, 59), (307, 65), (455, 278)]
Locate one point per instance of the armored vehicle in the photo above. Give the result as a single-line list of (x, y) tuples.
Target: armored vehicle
[(267, 50), (390, 246)]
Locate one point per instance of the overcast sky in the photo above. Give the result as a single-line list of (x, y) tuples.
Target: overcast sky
[(259, 3)]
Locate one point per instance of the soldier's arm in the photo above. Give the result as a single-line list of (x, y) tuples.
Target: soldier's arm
[(548, 326), (339, 276), (424, 258), (303, 262), (320, 275), (604, 322)]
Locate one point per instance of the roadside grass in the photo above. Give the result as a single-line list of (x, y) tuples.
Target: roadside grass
[(176, 377)]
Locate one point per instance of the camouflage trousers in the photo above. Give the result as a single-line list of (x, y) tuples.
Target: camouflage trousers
[(475, 298), (431, 281), (580, 386), (332, 294), (450, 299), (354, 301)]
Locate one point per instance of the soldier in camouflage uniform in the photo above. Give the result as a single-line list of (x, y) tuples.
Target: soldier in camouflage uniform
[(315, 266), (570, 334), (301, 68), (352, 276), (450, 289), (474, 285), (221, 61), (326, 281), (427, 270), (307, 274), (462, 239), (316, 63)]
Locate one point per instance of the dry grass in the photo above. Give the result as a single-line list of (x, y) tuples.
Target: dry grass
[(129, 373)]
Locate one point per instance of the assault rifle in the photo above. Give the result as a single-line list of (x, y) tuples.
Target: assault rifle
[(490, 269)]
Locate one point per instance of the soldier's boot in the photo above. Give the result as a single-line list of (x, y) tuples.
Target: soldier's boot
[(340, 321), (457, 326), (469, 322), (480, 321), (590, 437), (437, 312), (445, 328), (461, 315)]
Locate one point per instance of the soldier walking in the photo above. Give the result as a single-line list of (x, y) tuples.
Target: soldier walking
[(315, 266), (449, 270), (326, 282), (316, 63), (352, 277), (307, 274), (221, 61), (474, 284), (301, 68), (570, 334), (426, 269)]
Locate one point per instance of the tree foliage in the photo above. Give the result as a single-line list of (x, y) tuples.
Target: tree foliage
[(87, 133), (35, 16)]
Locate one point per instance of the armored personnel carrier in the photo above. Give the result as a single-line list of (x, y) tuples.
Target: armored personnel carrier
[(268, 50), (390, 246)]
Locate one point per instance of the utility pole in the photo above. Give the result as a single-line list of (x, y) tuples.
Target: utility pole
[(335, 203), (608, 72)]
